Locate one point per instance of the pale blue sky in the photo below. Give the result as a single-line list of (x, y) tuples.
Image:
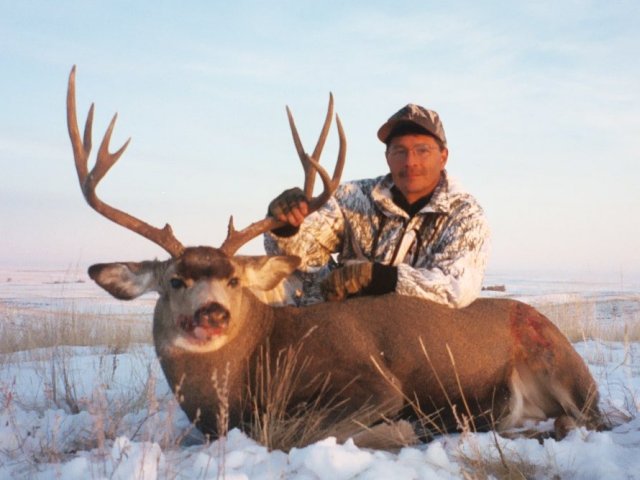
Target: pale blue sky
[(540, 101)]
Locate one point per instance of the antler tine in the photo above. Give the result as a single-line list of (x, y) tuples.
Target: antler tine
[(330, 184), (81, 148), (89, 180), (235, 239), (309, 171)]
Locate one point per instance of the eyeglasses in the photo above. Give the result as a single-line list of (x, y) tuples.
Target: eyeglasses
[(400, 153)]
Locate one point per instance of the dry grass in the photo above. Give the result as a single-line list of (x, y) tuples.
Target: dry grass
[(82, 383), (273, 422), (94, 409), (579, 321), (277, 419), (28, 330), (498, 462)]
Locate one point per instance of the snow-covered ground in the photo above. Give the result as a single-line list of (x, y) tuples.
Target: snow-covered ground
[(83, 412)]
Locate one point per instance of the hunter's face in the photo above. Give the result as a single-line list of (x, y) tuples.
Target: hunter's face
[(416, 162)]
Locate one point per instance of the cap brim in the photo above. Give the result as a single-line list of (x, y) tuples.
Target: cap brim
[(385, 130)]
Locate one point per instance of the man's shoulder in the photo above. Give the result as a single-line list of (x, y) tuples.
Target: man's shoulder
[(358, 195), (358, 187), (453, 185), (456, 197)]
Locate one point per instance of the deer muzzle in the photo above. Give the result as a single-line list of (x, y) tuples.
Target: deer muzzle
[(212, 315), (207, 322)]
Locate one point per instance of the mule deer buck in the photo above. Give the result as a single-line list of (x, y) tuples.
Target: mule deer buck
[(497, 362)]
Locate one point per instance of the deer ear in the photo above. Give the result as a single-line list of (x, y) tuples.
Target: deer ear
[(266, 272), (126, 280)]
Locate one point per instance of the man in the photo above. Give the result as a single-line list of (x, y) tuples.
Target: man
[(418, 231)]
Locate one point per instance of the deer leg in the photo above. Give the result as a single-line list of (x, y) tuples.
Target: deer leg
[(387, 436), (548, 378), (375, 400)]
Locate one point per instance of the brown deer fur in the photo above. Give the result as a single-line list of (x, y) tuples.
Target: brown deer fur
[(499, 360)]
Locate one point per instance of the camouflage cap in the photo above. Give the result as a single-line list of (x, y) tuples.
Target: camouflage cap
[(415, 114)]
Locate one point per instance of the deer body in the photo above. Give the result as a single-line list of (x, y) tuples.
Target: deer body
[(498, 360)]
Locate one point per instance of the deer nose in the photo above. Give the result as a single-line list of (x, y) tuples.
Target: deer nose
[(212, 314)]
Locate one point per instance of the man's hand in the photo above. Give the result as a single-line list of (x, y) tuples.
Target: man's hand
[(291, 206), (347, 280)]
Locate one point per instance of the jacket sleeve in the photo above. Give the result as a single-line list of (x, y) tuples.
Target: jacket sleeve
[(318, 237), (453, 274)]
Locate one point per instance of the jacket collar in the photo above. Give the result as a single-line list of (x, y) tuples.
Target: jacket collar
[(383, 197)]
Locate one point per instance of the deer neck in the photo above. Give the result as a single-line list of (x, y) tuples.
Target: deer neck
[(256, 325)]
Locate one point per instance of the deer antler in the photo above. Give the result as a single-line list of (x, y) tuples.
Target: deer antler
[(235, 239), (309, 170), (89, 180)]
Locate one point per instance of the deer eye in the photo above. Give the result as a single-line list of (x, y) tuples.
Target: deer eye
[(177, 283), (233, 282)]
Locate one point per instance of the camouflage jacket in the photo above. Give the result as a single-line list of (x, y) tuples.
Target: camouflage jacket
[(440, 253)]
